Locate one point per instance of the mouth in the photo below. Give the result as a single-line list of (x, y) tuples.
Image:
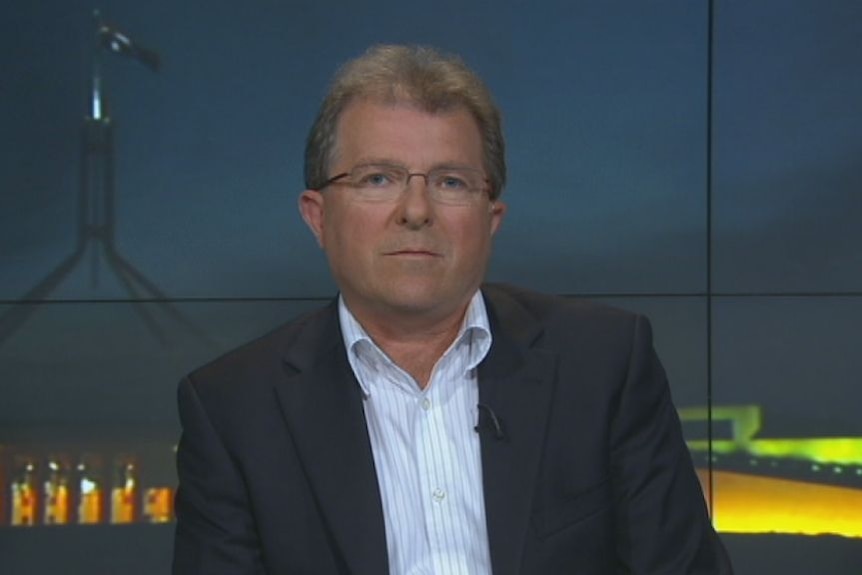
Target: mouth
[(413, 253)]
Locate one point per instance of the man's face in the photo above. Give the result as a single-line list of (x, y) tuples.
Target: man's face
[(412, 257)]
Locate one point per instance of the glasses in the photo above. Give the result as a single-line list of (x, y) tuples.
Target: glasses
[(386, 183)]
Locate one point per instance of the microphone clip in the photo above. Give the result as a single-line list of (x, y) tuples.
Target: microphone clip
[(489, 420)]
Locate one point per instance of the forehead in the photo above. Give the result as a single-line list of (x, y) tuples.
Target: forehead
[(369, 129)]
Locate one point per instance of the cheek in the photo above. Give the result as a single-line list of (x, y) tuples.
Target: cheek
[(473, 238), (348, 232)]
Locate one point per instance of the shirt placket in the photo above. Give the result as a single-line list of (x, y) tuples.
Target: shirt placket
[(438, 478)]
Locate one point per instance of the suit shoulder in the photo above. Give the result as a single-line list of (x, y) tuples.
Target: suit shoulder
[(562, 322), (251, 361), (551, 309)]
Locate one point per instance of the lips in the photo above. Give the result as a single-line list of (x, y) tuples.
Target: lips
[(410, 249), (412, 252)]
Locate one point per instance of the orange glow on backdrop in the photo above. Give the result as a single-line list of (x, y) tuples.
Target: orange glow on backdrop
[(746, 503)]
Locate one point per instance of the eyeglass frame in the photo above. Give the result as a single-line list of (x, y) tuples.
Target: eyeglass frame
[(485, 188)]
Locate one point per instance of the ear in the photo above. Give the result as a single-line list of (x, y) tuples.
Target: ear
[(497, 210), (311, 207)]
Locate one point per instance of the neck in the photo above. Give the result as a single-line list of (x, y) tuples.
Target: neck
[(413, 343)]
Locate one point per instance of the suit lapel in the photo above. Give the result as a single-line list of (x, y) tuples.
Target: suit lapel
[(516, 381), (322, 405)]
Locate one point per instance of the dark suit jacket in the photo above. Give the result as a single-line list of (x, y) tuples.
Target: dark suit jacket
[(591, 475)]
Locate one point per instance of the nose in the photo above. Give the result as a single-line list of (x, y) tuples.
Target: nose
[(416, 207)]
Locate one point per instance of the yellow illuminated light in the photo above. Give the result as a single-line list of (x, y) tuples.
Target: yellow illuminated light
[(745, 423), (124, 496), (750, 503), (159, 504)]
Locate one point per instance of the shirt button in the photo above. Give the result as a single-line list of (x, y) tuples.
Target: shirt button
[(438, 495), (426, 404)]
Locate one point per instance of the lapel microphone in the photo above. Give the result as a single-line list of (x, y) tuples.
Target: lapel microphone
[(489, 420)]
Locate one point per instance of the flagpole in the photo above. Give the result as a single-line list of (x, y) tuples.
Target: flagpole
[(96, 71), (96, 208)]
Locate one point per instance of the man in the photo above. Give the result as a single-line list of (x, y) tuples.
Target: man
[(420, 424)]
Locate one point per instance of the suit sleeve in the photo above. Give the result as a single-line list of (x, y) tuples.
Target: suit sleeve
[(662, 520), (215, 532)]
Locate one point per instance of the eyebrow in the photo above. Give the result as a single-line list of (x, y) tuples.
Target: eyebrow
[(378, 162), (362, 161), (395, 163)]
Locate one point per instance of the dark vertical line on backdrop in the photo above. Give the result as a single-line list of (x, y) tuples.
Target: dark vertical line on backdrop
[(710, 38)]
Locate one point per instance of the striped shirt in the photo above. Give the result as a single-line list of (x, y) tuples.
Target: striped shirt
[(426, 451)]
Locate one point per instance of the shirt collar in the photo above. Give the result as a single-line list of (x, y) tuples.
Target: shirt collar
[(475, 332)]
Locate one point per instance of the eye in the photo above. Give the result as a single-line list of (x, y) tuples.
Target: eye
[(376, 177), (374, 180), (451, 182)]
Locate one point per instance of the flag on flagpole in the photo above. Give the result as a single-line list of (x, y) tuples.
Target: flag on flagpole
[(120, 43)]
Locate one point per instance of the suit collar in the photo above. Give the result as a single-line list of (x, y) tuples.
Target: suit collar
[(316, 338)]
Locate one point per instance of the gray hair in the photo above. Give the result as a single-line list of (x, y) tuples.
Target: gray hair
[(416, 75)]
